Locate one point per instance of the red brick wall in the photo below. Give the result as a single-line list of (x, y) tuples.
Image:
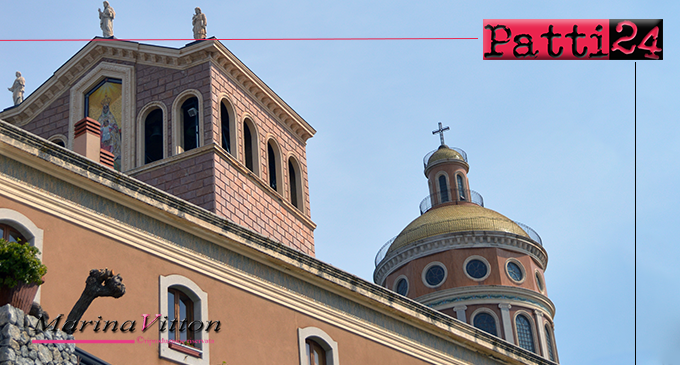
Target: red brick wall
[(53, 120), (245, 201), (191, 179), (255, 205), (266, 125)]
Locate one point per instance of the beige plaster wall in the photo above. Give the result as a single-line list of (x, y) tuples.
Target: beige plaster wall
[(255, 330)]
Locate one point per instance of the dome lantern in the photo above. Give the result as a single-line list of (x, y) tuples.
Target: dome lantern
[(446, 171)]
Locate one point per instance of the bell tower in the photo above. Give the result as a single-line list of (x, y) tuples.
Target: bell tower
[(471, 262)]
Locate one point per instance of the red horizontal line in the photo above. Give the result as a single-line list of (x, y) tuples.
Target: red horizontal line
[(83, 341), (228, 39)]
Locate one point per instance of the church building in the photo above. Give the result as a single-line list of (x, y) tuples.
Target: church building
[(184, 173)]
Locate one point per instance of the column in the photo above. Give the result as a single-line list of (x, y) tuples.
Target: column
[(541, 333), (460, 312), (507, 323)]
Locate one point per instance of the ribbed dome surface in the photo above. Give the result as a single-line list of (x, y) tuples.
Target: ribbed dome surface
[(455, 218)]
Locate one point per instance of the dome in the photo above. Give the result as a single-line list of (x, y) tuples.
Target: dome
[(455, 218), (444, 153)]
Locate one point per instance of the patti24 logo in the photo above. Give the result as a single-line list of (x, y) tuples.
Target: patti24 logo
[(569, 39)]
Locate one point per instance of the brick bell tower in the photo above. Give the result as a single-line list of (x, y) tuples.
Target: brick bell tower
[(471, 262), (193, 121)]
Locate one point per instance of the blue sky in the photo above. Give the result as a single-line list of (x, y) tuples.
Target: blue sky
[(550, 143)]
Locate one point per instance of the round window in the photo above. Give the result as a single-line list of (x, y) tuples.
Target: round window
[(476, 269), (435, 275), (539, 282), (515, 271), (402, 287)]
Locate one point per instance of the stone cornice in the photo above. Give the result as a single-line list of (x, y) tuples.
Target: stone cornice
[(261, 93), (177, 58), (484, 294), (450, 241)]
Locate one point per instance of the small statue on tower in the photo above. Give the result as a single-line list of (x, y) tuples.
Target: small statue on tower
[(106, 20), (17, 89), (200, 23)]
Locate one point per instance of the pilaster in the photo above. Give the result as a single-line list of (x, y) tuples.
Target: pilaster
[(460, 312), (541, 332), (507, 323)]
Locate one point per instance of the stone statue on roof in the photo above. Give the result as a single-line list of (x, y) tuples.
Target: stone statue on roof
[(106, 20), (17, 89), (200, 23)]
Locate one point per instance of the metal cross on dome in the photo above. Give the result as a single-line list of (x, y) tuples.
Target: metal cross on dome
[(441, 131)]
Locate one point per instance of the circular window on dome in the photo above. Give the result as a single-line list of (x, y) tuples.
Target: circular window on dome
[(515, 270), (401, 285), (539, 282), (476, 268), (434, 274)]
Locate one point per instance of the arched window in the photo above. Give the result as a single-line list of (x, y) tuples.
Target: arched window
[(59, 140), (8, 233), (315, 353), (549, 343), (293, 180), (248, 147), (16, 226), (485, 322), (443, 189), (190, 124), (153, 136), (180, 308), (461, 187), (317, 347), (524, 334), (226, 133), (182, 299), (273, 166)]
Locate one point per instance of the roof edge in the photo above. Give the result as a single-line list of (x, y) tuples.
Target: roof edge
[(190, 55)]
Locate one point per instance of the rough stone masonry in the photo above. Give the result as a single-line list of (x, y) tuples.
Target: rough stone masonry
[(16, 332)]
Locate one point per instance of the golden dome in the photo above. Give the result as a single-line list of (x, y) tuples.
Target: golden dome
[(444, 153), (454, 218)]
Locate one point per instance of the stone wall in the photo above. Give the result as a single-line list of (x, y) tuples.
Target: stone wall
[(17, 330)]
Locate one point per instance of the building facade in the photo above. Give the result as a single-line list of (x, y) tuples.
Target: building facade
[(193, 122), (183, 172)]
